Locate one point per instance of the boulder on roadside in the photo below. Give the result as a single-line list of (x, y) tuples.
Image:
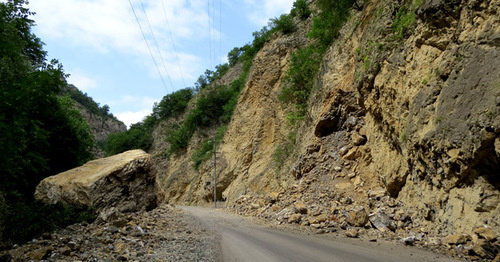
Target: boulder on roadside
[(294, 218), (486, 233), (484, 249), (352, 233), (126, 181), (382, 221), (457, 239), (357, 217), (300, 207), (272, 197)]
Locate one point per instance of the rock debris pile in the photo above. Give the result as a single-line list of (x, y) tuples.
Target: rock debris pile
[(382, 217), (162, 234)]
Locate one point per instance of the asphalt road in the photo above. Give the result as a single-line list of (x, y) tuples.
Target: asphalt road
[(242, 240)]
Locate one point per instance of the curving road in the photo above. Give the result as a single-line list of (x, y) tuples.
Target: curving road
[(241, 240)]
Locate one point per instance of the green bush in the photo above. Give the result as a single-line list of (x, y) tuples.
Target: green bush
[(29, 219), (301, 9), (209, 111), (138, 136), (332, 15), (172, 105), (234, 55), (284, 24), (404, 18), (305, 62), (87, 102), (213, 107), (206, 149), (304, 66), (179, 138)]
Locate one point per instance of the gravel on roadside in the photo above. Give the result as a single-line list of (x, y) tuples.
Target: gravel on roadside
[(162, 234)]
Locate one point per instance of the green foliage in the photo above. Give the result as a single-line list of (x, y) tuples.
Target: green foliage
[(179, 138), (172, 105), (29, 219), (332, 15), (403, 137), (138, 136), (249, 51), (301, 9), (42, 133), (209, 111), (304, 66), (214, 107), (87, 102), (75, 140), (404, 18), (284, 24), (305, 62), (210, 76), (368, 55), (234, 55), (206, 149)]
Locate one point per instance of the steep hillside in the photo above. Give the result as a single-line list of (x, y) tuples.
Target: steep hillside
[(400, 137), (101, 121)]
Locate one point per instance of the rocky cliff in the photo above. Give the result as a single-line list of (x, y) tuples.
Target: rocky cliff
[(101, 122), (403, 123), (101, 127)]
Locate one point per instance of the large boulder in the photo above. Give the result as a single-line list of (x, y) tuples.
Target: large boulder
[(126, 182)]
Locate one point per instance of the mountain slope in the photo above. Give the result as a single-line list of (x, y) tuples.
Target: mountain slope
[(402, 122), (101, 121)]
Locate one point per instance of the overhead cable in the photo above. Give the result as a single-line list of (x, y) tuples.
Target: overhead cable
[(209, 33), (220, 32), (147, 44), (173, 43), (156, 43)]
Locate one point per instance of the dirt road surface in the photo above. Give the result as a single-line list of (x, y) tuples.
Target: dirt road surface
[(243, 240)]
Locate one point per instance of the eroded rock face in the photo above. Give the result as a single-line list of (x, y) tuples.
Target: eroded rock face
[(406, 126), (125, 181)]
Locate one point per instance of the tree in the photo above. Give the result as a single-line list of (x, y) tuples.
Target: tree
[(42, 134), (173, 104)]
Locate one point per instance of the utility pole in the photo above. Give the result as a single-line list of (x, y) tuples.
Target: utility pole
[(215, 172)]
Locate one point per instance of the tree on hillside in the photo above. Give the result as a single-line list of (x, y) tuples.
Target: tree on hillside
[(41, 133)]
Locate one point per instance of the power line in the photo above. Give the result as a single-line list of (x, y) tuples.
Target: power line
[(156, 43), (213, 37), (220, 31), (147, 44), (173, 43), (209, 33)]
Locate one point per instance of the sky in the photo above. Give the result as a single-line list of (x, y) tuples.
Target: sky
[(101, 46)]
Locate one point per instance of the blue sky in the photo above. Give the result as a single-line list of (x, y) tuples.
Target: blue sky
[(100, 45)]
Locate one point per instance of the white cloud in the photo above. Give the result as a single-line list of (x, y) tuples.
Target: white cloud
[(110, 26), (262, 11), (136, 108), (130, 117), (82, 81), (138, 102)]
